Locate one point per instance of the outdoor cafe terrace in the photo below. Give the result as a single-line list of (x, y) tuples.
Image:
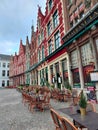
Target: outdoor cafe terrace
[(69, 116)]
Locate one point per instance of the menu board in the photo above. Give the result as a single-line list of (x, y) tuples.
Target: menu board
[(94, 76)]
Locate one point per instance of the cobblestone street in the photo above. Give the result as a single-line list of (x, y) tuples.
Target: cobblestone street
[(15, 116)]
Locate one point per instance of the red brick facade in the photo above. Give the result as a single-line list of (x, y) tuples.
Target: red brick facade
[(17, 66), (64, 45)]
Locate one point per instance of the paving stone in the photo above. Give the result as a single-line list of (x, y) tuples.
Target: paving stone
[(14, 115)]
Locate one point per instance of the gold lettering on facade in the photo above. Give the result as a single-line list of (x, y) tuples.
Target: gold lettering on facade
[(90, 17), (96, 13), (73, 31), (85, 22), (81, 25), (76, 29)]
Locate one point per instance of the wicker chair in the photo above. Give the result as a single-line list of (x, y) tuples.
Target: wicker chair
[(32, 104), (45, 102), (56, 119), (67, 124), (25, 97), (90, 107)]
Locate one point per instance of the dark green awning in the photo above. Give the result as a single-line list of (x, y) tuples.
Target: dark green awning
[(80, 33)]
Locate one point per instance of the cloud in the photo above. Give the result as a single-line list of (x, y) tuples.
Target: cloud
[(8, 47), (16, 20)]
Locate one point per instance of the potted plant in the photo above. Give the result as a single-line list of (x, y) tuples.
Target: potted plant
[(82, 103)]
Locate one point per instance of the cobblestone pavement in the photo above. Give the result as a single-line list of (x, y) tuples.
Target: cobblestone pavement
[(15, 116)]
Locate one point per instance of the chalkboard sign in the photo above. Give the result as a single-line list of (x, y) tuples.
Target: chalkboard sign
[(91, 96), (94, 76)]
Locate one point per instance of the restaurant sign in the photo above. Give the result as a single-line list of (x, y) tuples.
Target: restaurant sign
[(90, 17), (94, 76)]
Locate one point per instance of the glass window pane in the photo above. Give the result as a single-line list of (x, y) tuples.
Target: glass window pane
[(3, 83), (49, 28), (4, 65), (64, 69), (8, 73), (57, 40), (8, 65), (7, 82), (74, 59), (50, 4), (86, 54), (55, 19), (50, 46), (43, 56), (3, 72)]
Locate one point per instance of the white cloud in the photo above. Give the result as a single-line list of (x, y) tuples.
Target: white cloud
[(16, 21), (8, 47)]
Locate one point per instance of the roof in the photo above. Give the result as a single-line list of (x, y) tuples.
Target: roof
[(5, 57)]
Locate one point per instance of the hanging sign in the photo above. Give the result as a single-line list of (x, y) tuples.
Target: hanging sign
[(94, 76), (59, 80), (53, 80)]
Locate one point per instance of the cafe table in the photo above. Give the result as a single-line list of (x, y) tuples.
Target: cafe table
[(89, 121)]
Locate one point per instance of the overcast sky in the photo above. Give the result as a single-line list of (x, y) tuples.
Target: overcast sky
[(16, 19)]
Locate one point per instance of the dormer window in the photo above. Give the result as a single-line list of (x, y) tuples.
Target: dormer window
[(50, 4)]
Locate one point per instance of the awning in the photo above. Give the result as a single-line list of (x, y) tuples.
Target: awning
[(80, 33)]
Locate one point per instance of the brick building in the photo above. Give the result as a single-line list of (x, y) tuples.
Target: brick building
[(17, 67), (64, 45), (49, 33), (4, 70), (81, 40)]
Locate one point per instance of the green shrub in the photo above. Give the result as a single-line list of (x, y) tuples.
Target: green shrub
[(83, 101)]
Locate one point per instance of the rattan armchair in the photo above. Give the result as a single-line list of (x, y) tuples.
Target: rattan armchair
[(67, 124), (90, 107), (44, 102), (56, 119)]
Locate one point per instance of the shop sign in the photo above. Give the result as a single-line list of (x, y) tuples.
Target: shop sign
[(81, 25), (94, 76)]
